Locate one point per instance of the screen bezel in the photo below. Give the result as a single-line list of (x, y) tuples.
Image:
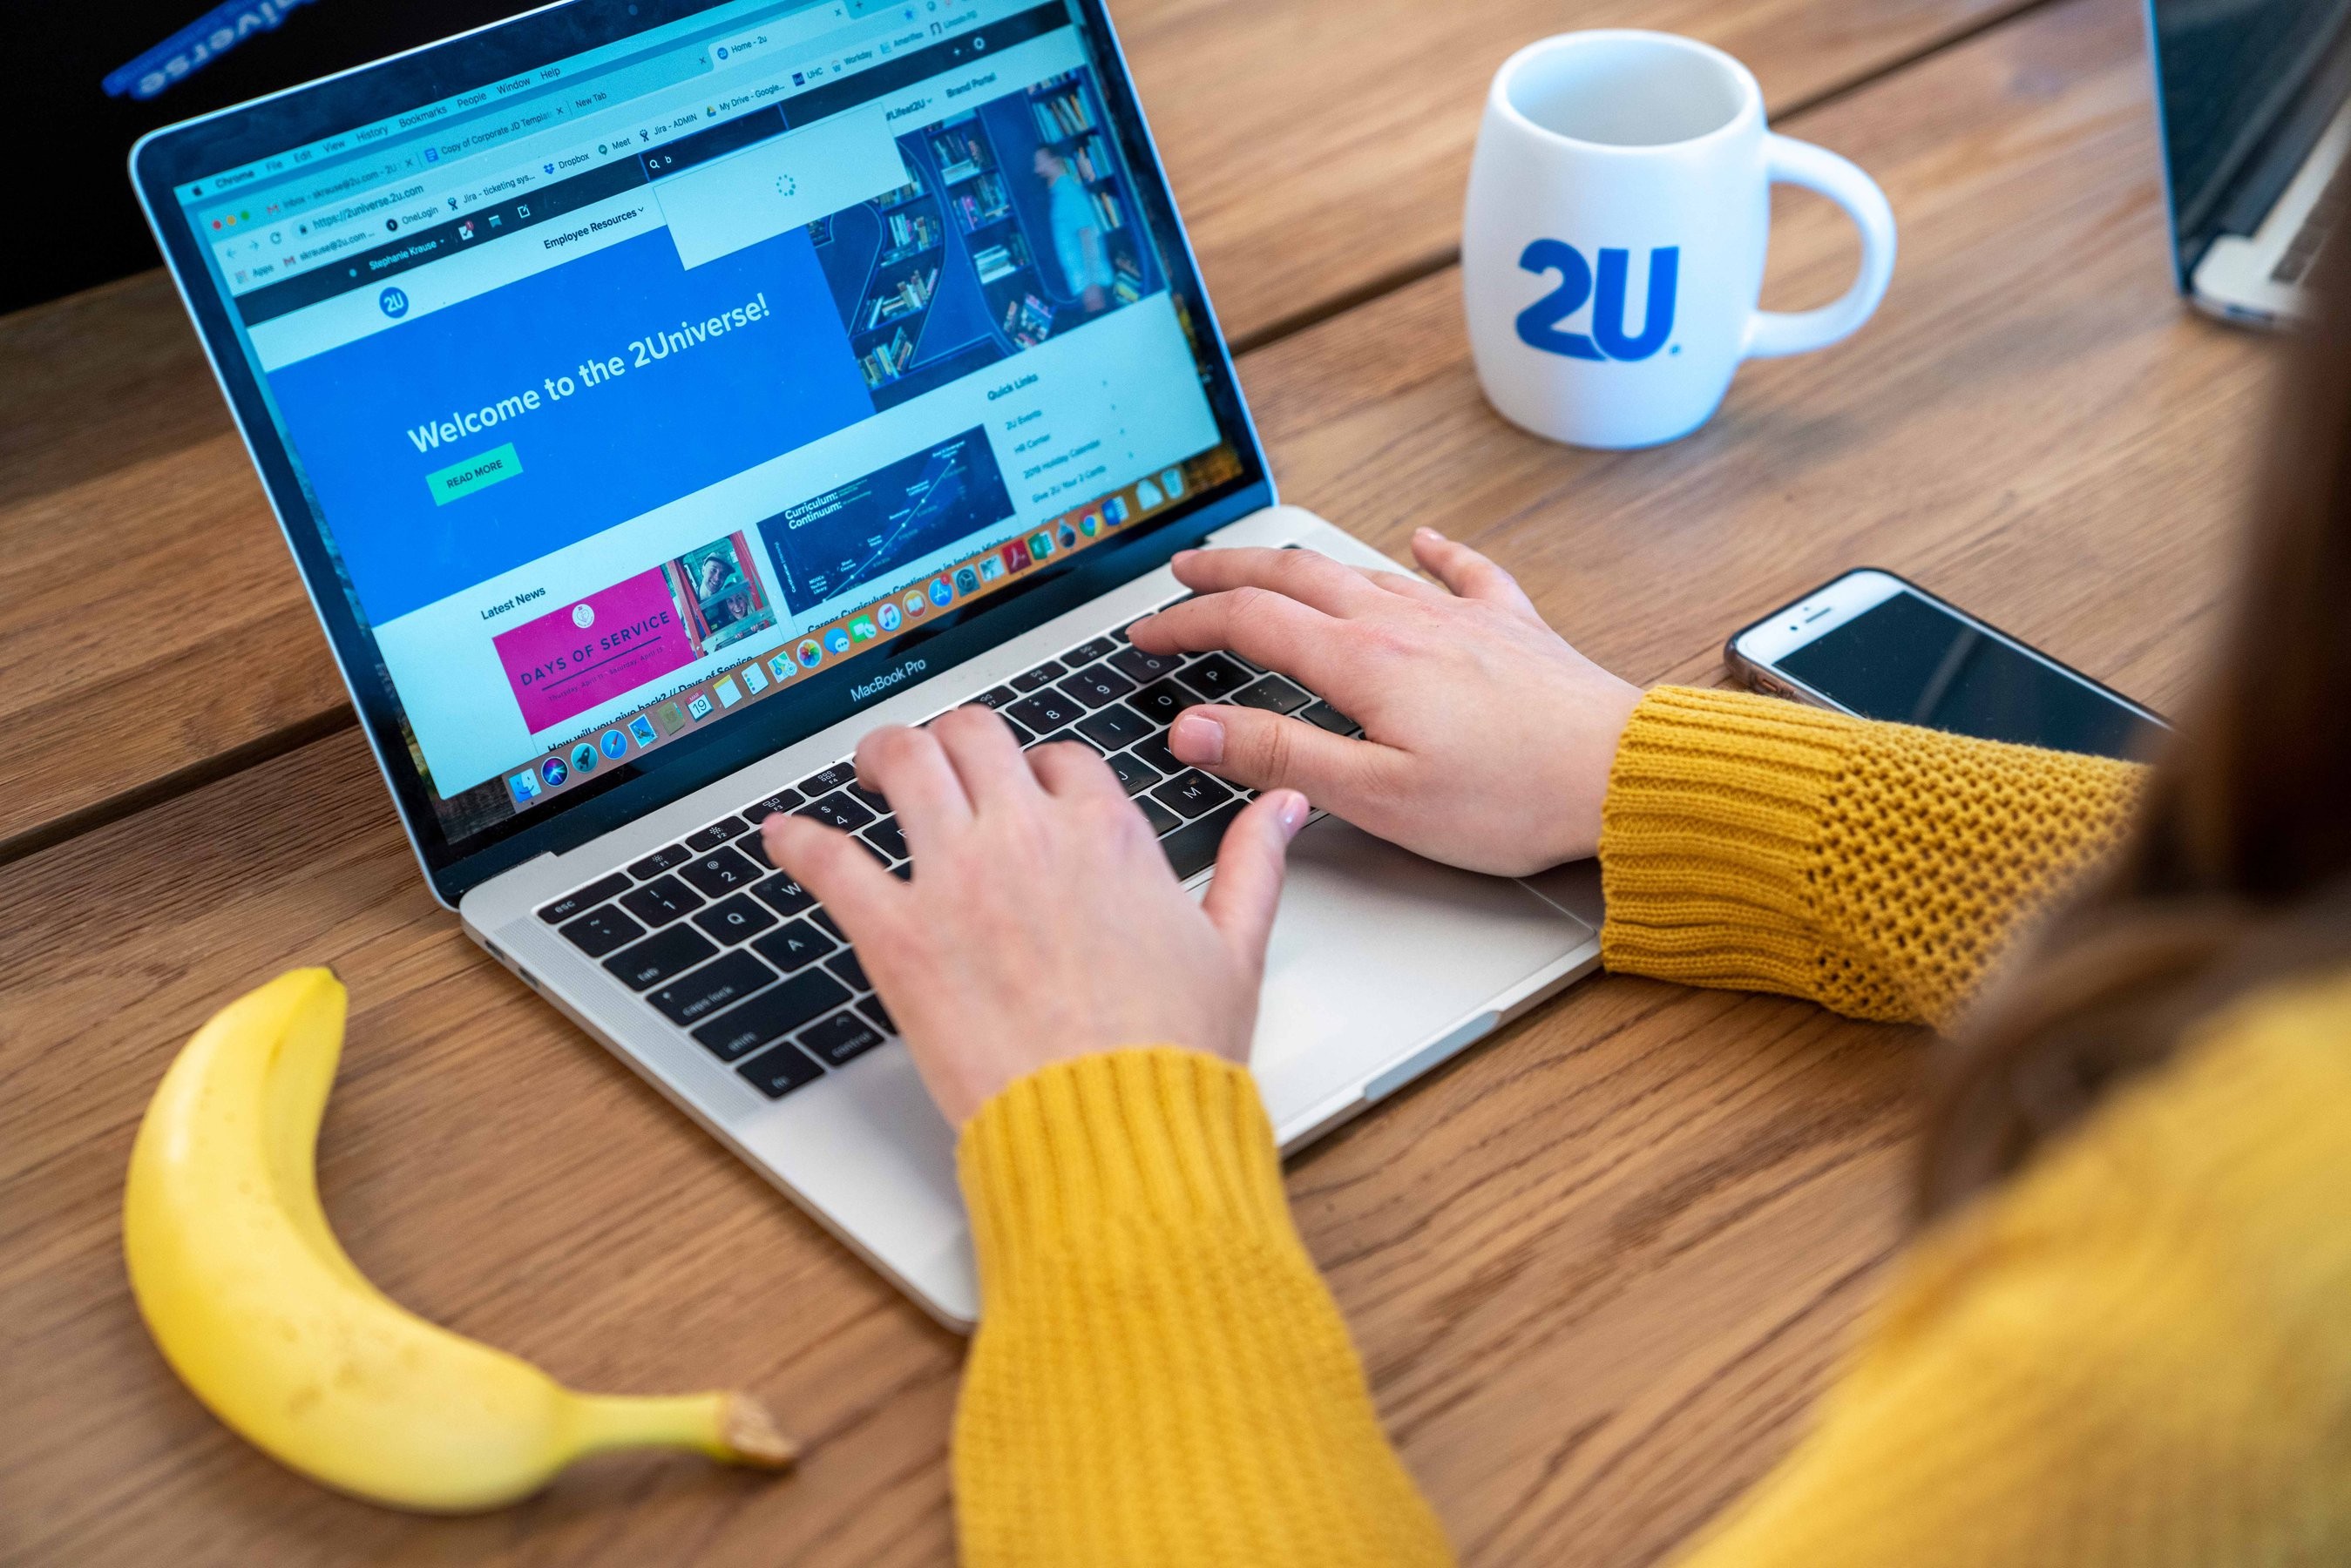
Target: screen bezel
[(176, 154), (1762, 644)]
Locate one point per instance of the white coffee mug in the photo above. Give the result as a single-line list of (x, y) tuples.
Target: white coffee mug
[(1613, 251)]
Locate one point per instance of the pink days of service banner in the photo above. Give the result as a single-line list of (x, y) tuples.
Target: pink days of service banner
[(594, 649)]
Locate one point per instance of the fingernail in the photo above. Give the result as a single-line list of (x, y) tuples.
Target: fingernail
[(1292, 813), (1428, 532), (1197, 738)]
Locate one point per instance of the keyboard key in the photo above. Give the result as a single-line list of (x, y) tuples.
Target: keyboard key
[(866, 797), (880, 859), (661, 860), (1069, 736), (1096, 686), (598, 931), (903, 870), (1163, 821), (1021, 732), (1161, 701), (1155, 752), (841, 1038), (1215, 676), (824, 780), (1323, 716), (996, 697), (1274, 694), (720, 872), (886, 836), (1192, 848), (1087, 652), (794, 1005), (852, 973), (1047, 711), (716, 834), (783, 895), (587, 898), (825, 923), (797, 946), (754, 845), (1191, 793), (660, 956), (777, 1073), (1115, 729), (734, 919), (661, 901), (839, 810), (759, 810), (1142, 668), (1029, 680), (712, 987), (1135, 774), (871, 1007), (733, 1035)]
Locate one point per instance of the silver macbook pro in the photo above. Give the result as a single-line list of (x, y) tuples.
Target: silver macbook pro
[(656, 396)]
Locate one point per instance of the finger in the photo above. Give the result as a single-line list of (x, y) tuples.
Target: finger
[(1471, 574), (913, 773), (1242, 900), (1265, 750), (1071, 770), (1307, 575), (841, 872), (1261, 626), (1399, 584), (981, 747)]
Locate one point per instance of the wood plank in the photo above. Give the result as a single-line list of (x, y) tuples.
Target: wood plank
[(1598, 1268), (152, 631)]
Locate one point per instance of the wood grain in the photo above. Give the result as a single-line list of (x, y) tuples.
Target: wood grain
[(1598, 1268), (154, 633)]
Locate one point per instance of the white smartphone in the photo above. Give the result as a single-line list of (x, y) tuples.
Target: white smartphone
[(1873, 644)]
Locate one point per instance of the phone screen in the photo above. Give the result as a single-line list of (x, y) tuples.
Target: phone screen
[(1910, 660)]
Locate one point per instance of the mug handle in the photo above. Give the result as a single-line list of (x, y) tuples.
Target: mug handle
[(1774, 332)]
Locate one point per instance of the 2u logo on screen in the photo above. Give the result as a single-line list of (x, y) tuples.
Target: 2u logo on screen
[(1538, 324)]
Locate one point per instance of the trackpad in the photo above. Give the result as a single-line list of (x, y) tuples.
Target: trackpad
[(1377, 951)]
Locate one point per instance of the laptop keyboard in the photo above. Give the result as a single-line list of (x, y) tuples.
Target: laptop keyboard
[(2317, 227), (744, 962)]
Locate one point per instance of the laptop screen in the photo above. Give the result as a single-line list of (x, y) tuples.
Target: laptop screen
[(2247, 89), (639, 390)]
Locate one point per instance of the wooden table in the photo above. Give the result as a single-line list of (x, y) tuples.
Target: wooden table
[(1598, 1268)]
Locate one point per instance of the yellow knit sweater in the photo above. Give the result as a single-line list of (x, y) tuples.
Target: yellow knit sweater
[(2137, 1354)]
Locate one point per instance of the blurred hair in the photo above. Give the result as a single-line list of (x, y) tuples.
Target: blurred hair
[(2238, 872)]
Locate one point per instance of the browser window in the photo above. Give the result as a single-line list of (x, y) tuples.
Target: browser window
[(636, 388)]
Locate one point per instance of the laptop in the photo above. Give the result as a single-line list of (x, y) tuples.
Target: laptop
[(2254, 101), (656, 397)]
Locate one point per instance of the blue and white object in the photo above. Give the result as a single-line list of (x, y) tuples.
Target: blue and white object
[(1612, 254)]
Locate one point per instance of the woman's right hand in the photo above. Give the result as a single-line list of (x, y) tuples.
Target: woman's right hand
[(1487, 739)]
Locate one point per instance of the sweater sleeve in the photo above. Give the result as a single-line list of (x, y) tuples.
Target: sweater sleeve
[(1160, 1376), (1753, 843)]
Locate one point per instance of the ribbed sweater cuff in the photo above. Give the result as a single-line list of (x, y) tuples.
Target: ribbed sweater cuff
[(1712, 813), (1107, 1165)]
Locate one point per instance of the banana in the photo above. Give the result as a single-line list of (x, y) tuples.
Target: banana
[(259, 1309)]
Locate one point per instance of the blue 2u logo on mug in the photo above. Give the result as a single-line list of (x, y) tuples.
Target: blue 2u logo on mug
[(1538, 324)]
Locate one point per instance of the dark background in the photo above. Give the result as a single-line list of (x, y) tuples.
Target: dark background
[(80, 222)]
